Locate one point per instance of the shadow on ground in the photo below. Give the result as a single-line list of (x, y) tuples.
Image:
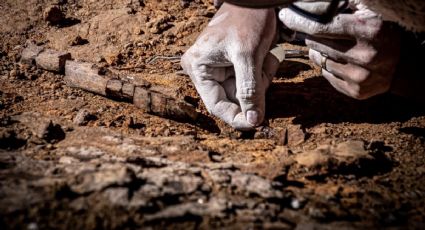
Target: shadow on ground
[(314, 101)]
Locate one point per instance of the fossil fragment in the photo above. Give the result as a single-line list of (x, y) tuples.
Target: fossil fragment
[(89, 77), (52, 60)]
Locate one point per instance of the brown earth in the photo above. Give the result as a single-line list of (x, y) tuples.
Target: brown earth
[(74, 160)]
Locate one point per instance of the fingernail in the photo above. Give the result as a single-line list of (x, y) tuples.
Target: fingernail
[(252, 117)]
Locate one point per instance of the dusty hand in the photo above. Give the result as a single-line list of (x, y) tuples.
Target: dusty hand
[(230, 67), (358, 52)]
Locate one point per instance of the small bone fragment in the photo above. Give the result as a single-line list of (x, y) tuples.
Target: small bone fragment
[(295, 135), (114, 88), (180, 109), (30, 53), (128, 90), (158, 103), (163, 105), (142, 99), (52, 60), (84, 76), (292, 135)]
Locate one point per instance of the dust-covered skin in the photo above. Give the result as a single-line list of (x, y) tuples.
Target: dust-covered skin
[(74, 160), (361, 51), (226, 64), (408, 13)]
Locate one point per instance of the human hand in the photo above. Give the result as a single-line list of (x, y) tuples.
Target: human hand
[(230, 66), (358, 52)]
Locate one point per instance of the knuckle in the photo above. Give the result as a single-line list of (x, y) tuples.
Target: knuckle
[(247, 92), (357, 92), (189, 57), (368, 55), (360, 92), (361, 75)]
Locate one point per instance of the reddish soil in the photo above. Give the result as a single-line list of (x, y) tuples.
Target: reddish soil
[(344, 164)]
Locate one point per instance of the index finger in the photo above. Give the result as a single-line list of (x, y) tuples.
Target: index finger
[(215, 99), (343, 26)]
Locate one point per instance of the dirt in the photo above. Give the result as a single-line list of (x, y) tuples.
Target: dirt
[(70, 159)]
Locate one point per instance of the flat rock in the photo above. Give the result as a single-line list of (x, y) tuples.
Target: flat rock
[(92, 181), (250, 184), (343, 158), (43, 128)]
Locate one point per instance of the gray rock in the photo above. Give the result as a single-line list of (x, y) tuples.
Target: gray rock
[(214, 208), (83, 117), (249, 184), (85, 152), (111, 175)]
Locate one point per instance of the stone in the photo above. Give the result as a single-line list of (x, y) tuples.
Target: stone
[(349, 157), (250, 184), (9, 139), (85, 152), (185, 3), (78, 40), (104, 177), (83, 117), (214, 208), (53, 15), (67, 160), (220, 177), (295, 135), (48, 131)]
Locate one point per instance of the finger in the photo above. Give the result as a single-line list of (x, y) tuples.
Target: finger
[(341, 85), (229, 85), (270, 66), (207, 82), (250, 87), (342, 26), (357, 91), (346, 71), (344, 50), (217, 103)]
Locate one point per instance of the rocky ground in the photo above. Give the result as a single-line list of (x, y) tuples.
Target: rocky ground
[(74, 160)]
